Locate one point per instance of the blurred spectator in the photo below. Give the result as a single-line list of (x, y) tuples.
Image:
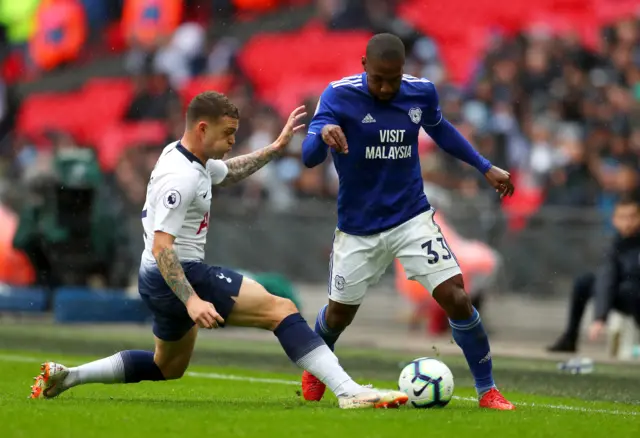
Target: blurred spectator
[(615, 286), (176, 59), (153, 98), (562, 117), (66, 227), (59, 33), (148, 25), (17, 19)]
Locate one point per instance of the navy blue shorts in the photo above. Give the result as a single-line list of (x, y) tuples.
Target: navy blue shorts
[(170, 318)]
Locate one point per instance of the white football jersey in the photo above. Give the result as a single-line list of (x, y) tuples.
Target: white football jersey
[(178, 201)]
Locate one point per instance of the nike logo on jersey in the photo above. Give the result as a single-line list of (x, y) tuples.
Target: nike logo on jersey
[(368, 119)]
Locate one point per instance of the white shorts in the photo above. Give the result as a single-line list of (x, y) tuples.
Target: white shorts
[(358, 262)]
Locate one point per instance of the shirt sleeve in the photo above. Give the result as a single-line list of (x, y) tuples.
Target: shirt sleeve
[(314, 150), (218, 171), (173, 196), (325, 112), (432, 114), (446, 136)]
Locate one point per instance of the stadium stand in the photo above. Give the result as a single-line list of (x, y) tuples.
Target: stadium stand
[(549, 91)]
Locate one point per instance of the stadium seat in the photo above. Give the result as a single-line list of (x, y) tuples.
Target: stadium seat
[(523, 204), (465, 27), (204, 83), (315, 57), (106, 101), (119, 137), (83, 113), (47, 111)]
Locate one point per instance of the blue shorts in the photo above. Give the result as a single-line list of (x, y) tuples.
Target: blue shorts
[(170, 318)]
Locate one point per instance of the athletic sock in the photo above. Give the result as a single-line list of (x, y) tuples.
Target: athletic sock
[(130, 366), (471, 337), (309, 351), (328, 335)]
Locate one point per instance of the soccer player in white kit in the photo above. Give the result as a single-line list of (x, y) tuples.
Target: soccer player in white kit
[(183, 292)]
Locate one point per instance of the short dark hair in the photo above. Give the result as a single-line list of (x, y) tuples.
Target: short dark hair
[(631, 198), (210, 105), (386, 47)]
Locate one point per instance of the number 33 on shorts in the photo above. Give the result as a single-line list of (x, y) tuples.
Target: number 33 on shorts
[(441, 250)]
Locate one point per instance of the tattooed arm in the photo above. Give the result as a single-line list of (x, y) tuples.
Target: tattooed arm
[(245, 165), (170, 267), (201, 312), (248, 164)]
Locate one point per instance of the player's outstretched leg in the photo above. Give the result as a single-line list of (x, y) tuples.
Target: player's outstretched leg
[(255, 307), (469, 334), (331, 321), (169, 361)]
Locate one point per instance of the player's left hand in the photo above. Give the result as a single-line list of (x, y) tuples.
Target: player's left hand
[(500, 180), (293, 125), (595, 330)]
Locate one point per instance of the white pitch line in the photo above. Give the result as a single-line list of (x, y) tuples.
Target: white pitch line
[(467, 399), (216, 376)]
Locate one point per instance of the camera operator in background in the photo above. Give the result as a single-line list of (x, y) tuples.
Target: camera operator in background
[(615, 286), (67, 227)]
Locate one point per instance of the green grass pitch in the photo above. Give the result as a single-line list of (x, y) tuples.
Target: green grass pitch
[(247, 401)]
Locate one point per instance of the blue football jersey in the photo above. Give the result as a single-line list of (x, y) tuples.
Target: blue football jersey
[(380, 178)]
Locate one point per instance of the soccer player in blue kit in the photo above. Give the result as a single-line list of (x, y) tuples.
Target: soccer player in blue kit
[(371, 123)]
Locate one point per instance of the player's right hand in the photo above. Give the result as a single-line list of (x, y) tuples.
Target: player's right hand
[(203, 313), (292, 126), (333, 136)]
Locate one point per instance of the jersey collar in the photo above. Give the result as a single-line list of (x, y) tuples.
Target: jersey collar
[(188, 154), (365, 83)]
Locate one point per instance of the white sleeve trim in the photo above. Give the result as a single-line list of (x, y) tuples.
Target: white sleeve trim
[(437, 123)]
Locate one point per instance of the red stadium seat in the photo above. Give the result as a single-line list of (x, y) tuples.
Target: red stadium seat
[(117, 138), (454, 24), (83, 113), (314, 57), (197, 85), (106, 101), (523, 204), (52, 111)]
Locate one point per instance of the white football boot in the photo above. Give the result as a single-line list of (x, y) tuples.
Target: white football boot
[(49, 383), (374, 398)]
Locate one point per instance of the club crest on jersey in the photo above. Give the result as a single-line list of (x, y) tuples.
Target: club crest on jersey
[(339, 282), (416, 115), (171, 199)]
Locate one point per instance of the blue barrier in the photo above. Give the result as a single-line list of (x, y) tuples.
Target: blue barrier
[(82, 305), (22, 299)]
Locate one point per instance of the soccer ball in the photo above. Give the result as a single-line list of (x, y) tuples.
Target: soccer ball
[(428, 382)]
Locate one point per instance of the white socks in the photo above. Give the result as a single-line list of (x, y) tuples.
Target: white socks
[(324, 365), (107, 370)]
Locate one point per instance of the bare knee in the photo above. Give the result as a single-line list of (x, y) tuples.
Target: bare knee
[(173, 357), (279, 309), (173, 368), (454, 299), (339, 316)]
